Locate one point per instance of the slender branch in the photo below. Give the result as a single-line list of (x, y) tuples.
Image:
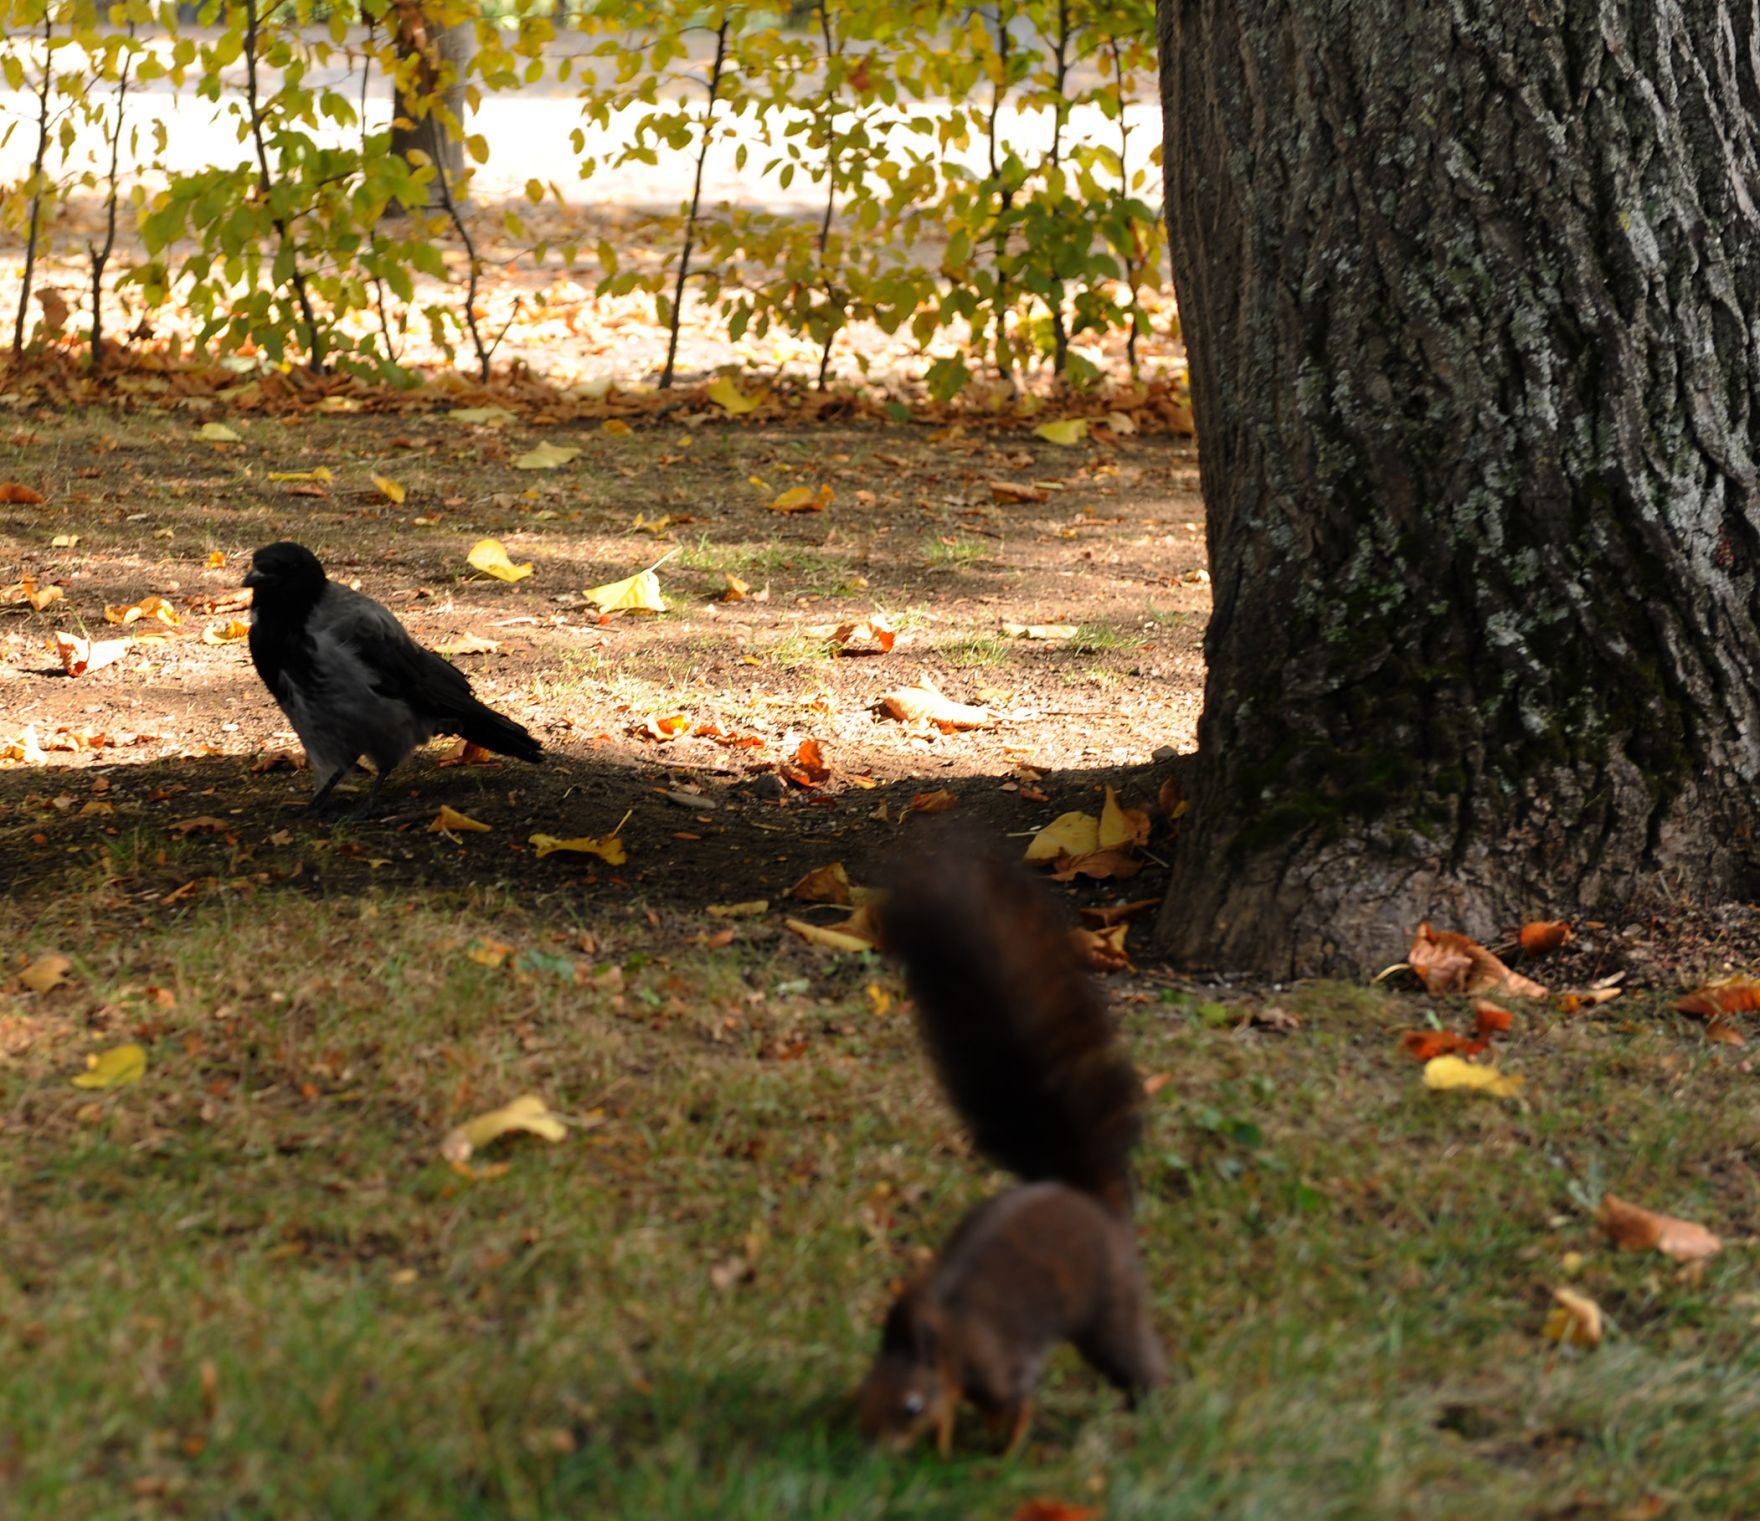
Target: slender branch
[(690, 223), (474, 265), (832, 294), (112, 194), (1004, 201), (42, 155), (1059, 113), (1133, 260), (265, 182)]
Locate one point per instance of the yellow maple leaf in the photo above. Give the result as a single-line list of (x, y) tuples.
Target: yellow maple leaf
[(490, 557), (45, 972), (546, 456), (450, 821), (114, 1068), (528, 1115), (639, 593), (1071, 430), (609, 848), (1069, 834), (389, 488), (726, 395), (1442, 1073)]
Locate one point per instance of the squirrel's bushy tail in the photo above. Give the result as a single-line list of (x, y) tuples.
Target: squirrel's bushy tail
[(1017, 1029)]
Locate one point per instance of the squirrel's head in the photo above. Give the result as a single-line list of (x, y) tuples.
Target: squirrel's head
[(910, 1389)]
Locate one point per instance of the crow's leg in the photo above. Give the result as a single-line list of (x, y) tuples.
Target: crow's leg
[(364, 807), (322, 795)]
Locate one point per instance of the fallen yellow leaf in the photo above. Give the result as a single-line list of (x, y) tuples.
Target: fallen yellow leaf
[(609, 848), (726, 395), (490, 557), (113, 1068), (322, 473), (856, 933), (639, 593), (1120, 825), (802, 499), (226, 633), (1069, 834), (45, 972), (824, 884), (616, 427), (1072, 430), (389, 488), (527, 1115), (488, 417), (450, 821), (747, 910), (1442, 1073), (468, 644), (147, 607), (1575, 1319), (216, 559), (219, 433), (923, 703), (546, 456)]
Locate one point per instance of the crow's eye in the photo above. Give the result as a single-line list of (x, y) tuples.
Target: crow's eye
[(913, 1404)]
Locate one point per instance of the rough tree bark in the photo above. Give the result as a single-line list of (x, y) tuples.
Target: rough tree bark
[(1472, 295), (442, 57)]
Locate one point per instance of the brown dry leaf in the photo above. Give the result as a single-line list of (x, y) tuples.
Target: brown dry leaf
[(80, 657), (1575, 1320), (1099, 864), (808, 767), (274, 760), (1427, 1045), (1006, 492), (15, 495), (203, 824), (922, 703), (856, 933), (464, 753), (1117, 912), (1728, 995), (1636, 1229), (1491, 1019), (1574, 1002), (938, 801), (450, 821), (147, 607), (468, 644), (823, 884), (45, 972), (873, 635), (1450, 963), (1055, 1510), (736, 590), (232, 630), (1120, 825), (1724, 1032), (1542, 935), (1274, 1017), (673, 726), (1102, 950), (25, 748)]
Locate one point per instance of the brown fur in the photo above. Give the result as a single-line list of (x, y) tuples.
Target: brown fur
[(1021, 1039)]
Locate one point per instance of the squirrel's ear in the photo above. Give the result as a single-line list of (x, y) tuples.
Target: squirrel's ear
[(911, 1324)]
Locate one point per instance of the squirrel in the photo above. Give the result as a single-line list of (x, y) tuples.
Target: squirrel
[(1020, 1037)]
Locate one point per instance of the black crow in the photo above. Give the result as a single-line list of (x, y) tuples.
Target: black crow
[(350, 679)]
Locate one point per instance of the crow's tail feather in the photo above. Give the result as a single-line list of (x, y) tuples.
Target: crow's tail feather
[(484, 726)]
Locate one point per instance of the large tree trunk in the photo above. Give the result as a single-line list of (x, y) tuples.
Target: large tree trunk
[(1472, 294), (440, 59)]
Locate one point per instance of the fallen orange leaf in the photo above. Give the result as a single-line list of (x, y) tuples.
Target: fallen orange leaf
[(1450, 963), (1426, 1045), (1636, 1229), (1729, 995), (15, 495), (1543, 935), (1490, 1019)]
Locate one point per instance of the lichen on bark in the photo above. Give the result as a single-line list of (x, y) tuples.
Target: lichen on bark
[(1472, 295)]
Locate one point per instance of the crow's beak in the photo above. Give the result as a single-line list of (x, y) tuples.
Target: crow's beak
[(251, 578)]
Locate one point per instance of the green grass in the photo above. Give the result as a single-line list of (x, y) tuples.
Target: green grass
[(953, 554), (248, 1285)]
